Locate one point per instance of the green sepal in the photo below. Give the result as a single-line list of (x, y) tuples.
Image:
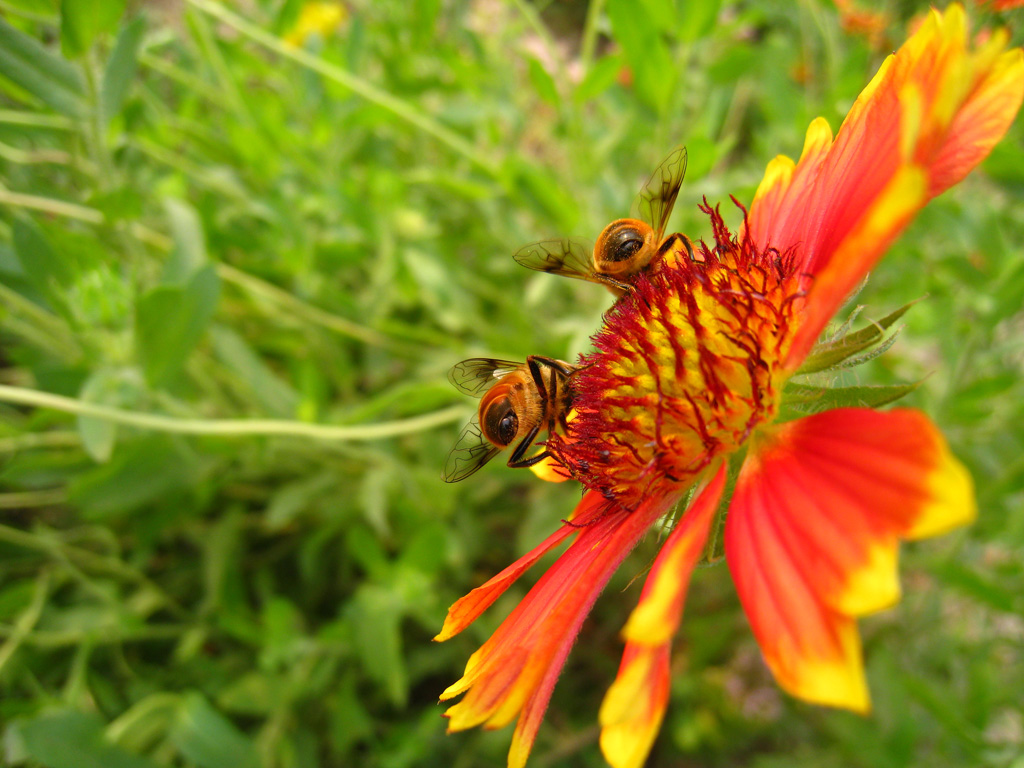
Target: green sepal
[(714, 547), (854, 360), (803, 399), (832, 354)]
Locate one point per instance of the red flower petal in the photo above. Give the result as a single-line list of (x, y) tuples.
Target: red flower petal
[(782, 199), (515, 671), (813, 531), (932, 112), (634, 706), (984, 118), (466, 610)]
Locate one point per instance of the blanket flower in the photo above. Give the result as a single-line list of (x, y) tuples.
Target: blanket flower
[(686, 388)]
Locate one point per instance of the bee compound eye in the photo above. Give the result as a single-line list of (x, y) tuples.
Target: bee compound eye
[(623, 244), (501, 423), (509, 426)]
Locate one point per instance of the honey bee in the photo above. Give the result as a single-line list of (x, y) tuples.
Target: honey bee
[(625, 247), (518, 400)]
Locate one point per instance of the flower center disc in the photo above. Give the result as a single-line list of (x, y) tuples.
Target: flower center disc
[(685, 367)]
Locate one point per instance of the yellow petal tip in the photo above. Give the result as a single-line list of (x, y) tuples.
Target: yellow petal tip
[(875, 585), (953, 503)]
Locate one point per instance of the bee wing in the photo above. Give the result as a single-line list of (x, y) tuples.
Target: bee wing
[(471, 451), (476, 375), (570, 258), (659, 193)]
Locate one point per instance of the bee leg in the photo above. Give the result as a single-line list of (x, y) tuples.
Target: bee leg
[(563, 420), (550, 409), (533, 362), (557, 415), (516, 460), (530, 461), (553, 409), (613, 283), (558, 365), (678, 239)]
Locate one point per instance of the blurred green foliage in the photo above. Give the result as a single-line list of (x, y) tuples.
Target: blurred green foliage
[(200, 221)]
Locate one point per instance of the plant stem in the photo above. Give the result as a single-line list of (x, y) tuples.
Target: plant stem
[(272, 293), (17, 117), (49, 205), (367, 90), (74, 637), (231, 427), (588, 45), (28, 618), (73, 559), (24, 499), (40, 440), (252, 284)]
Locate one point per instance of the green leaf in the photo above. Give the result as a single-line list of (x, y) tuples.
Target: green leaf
[(663, 13), (1006, 292), (376, 614), (373, 498), (152, 471), (208, 739), (254, 693), (15, 598), (290, 500), (352, 722), (1006, 163), (70, 739), (698, 19), (829, 354), (542, 82), (146, 722), (287, 16), (937, 701), (984, 590), (253, 378), (189, 252), (121, 68), (702, 155), (732, 65), (364, 548), (40, 262), (28, 64), (50, 274), (105, 387), (283, 638), (599, 78), (646, 52), (169, 321), (544, 192), (983, 390), (39, 7), (82, 21), (809, 399)]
